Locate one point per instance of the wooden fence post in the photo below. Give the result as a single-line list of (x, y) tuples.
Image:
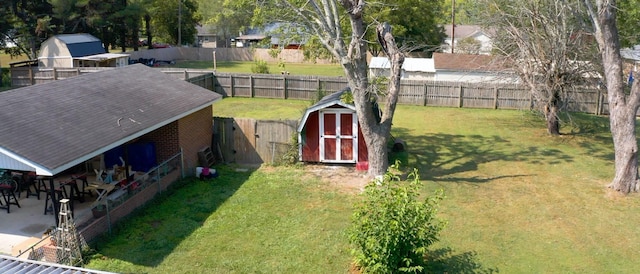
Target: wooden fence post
[(55, 74), (284, 84), (425, 95), (31, 78), (598, 109), (460, 95), (495, 98), (232, 88), (251, 86)]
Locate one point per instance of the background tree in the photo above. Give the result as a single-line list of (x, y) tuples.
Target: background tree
[(416, 24), (468, 12), (29, 24), (164, 17), (623, 106), (548, 47), (323, 18), (628, 24), (229, 17)]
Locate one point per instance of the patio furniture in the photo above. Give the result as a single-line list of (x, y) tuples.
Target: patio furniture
[(8, 196), (59, 192), (83, 189)]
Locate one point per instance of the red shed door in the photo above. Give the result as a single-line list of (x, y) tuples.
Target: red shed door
[(338, 136)]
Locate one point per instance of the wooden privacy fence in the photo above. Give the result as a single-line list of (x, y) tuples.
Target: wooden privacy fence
[(412, 92), (250, 141)]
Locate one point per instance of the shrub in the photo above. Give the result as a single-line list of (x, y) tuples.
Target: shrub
[(391, 230), (260, 66)]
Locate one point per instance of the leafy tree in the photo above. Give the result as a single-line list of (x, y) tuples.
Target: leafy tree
[(549, 49), (467, 12), (628, 23), (164, 17), (229, 17), (391, 228), (27, 24), (415, 23), (623, 105)]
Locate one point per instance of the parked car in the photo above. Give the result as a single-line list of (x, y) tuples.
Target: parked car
[(160, 45)]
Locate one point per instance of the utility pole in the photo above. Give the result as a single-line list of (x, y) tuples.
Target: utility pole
[(453, 24), (179, 23)]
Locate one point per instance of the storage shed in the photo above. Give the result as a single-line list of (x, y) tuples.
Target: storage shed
[(78, 50), (329, 132)]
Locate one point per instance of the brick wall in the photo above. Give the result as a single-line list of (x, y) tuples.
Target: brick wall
[(166, 141), (195, 133)]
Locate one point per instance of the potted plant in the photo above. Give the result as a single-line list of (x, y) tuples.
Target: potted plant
[(99, 210)]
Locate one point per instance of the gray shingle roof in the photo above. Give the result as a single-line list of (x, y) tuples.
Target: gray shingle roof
[(57, 125)]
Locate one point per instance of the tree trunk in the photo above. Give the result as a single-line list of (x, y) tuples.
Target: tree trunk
[(623, 128), (622, 107), (551, 115)]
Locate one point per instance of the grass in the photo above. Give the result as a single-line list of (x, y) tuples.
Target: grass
[(268, 109), (6, 59), (518, 201), (245, 67), (267, 221)]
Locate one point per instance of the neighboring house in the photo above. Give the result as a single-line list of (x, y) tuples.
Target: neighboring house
[(469, 39), (412, 68), (472, 68), (280, 35), (206, 36), (78, 50), (54, 127), (329, 132)]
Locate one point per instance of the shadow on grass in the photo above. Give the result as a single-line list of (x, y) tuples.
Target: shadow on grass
[(152, 232), (444, 260), (441, 156)]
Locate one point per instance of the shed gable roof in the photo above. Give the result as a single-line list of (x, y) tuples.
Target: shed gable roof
[(327, 101), (57, 125), (81, 44)]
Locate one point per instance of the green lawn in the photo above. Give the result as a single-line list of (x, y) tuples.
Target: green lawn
[(6, 59), (518, 201)]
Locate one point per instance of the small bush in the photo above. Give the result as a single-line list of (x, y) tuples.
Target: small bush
[(391, 230), (260, 66)]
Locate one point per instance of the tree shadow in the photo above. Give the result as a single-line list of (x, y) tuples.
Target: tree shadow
[(152, 232), (441, 156), (592, 133), (444, 260)]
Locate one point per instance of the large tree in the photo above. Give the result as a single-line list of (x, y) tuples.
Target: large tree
[(623, 106), (547, 46), (323, 19)]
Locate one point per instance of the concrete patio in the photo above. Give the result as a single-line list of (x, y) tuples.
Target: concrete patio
[(25, 225)]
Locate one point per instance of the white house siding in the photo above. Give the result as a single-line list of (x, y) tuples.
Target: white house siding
[(475, 77)]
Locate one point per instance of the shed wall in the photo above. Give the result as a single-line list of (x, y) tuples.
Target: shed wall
[(311, 139)]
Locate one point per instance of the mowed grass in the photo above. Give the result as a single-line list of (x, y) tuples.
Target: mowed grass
[(518, 201), (6, 59), (266, 109), (245, 67), (265, 221)]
